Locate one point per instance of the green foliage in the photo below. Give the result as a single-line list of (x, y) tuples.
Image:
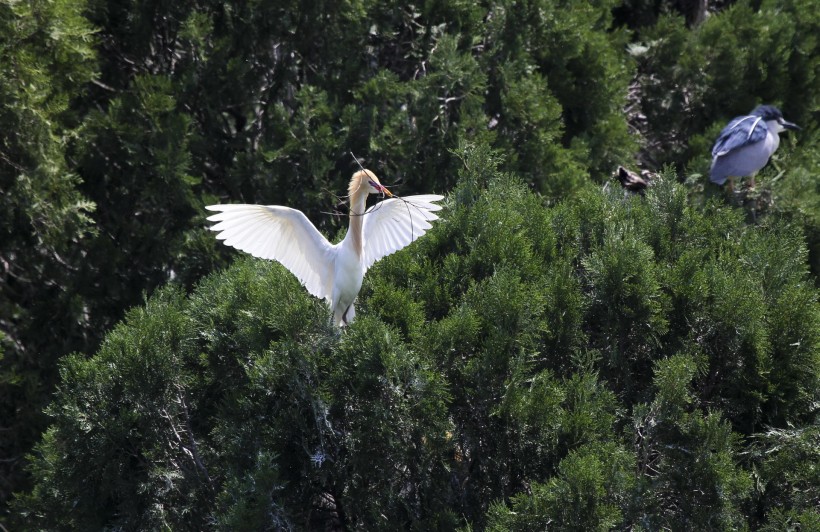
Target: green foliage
[(550, 354), (788, 478), (687, 458), (46, 53), (130, 116), (585, 494), (463, 395), (194, 393), (791, 520), (132, 453), (625, 294), (797, 195), (135, 160)]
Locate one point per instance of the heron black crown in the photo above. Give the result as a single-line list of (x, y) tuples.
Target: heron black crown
[(767, 112)]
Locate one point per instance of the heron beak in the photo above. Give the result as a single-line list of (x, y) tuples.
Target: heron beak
[(790, 125)]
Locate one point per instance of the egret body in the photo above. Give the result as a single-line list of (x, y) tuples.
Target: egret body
[(333, 272)]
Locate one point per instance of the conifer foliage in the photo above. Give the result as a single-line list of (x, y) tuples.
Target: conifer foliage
[(552, 355), (587, 366)]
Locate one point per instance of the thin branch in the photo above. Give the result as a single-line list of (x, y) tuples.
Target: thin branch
[(102, 85), (192, 441)]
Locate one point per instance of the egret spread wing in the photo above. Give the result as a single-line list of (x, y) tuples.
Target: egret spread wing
[(281, 234), (392, 224), (742, 131)]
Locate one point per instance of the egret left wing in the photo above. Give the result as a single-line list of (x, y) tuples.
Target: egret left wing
[(742, 131), (281, 234), (393, 224)]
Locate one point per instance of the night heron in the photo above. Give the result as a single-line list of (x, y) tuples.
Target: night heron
[(746, 144)]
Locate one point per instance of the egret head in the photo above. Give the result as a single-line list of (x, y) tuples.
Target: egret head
[(366, 181)]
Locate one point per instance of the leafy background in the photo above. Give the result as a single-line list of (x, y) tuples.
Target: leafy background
[(553, 354)]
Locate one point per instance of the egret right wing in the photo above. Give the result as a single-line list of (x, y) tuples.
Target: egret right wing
[(281, 234), (392, 224), (742, 131)]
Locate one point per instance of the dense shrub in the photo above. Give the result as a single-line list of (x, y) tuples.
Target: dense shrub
[(513, 360), (463, 394)]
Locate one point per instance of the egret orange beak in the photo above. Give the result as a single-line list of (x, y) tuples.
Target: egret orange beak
[(381, 188)]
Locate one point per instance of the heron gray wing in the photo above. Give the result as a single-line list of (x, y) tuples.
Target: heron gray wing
[(742, 131)]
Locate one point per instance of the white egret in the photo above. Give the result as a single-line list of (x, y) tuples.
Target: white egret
[(333, 272)]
